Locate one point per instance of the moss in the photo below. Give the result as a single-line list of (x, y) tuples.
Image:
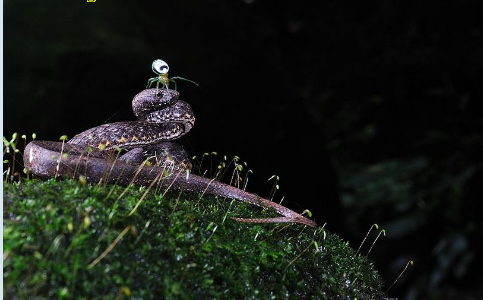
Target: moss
[(178, 246)]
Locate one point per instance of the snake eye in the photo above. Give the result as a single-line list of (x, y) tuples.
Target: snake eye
[(160, 67)]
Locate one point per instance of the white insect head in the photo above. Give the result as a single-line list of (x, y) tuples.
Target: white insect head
[(160, 67)]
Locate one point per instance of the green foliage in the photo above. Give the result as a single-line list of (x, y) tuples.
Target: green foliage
[(413, 197), (176, 247)]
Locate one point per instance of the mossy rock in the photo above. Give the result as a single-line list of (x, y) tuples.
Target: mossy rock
[(65, 239)]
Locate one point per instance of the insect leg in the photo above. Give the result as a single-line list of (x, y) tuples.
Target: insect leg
[(175, 85), (157, 87), (151, 81), (177, 77)]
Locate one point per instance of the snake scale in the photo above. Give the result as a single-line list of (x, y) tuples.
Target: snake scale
[(162, 118)]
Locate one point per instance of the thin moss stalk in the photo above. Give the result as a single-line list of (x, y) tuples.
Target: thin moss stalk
[(173, 247)]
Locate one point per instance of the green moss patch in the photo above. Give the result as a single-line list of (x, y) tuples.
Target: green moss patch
[(71, 240)]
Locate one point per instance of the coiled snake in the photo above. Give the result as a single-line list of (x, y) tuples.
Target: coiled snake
[(162, 118)]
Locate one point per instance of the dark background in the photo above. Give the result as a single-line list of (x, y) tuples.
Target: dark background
[(368, 111)]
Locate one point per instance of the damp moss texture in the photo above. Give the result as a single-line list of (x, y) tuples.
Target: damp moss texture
[(66, 239)]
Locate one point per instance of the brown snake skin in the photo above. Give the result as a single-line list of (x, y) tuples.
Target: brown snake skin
[(162, 118)]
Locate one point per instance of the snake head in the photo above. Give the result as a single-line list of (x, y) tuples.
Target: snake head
[(160, 67)]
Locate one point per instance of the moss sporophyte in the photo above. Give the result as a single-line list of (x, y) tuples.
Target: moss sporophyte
[(168, 232), (66, 239)]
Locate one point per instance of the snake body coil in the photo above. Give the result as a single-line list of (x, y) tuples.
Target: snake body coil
[(162, 119)]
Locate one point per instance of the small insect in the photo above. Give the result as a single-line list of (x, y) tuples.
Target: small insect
[(161, 68)]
